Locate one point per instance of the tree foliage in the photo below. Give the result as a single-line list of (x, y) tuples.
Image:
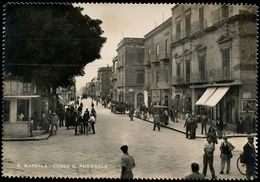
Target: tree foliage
[(51, 43)]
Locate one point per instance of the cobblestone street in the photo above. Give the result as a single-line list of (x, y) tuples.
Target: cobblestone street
[(164, 154)]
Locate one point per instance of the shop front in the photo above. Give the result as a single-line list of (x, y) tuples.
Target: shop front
[(219, 102), (17, 112)]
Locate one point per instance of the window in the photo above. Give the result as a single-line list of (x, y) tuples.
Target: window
[(202, 64), (157, 49), (178, 69), (140, 77), (187, 23), (178, 28), (149, 51), (157, 78), (201, 17), (166, 47), (225, 11), (6, 110), (226, 63), (187, 63), (26, 88), (148, 77), (23, 108), (166, 72)]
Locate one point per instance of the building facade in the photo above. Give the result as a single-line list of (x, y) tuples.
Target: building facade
[(157, 61), (113, 80), (214, 60), (130, 71), (104, 74)]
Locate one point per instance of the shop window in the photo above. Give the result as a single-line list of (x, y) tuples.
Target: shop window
[(166, 100), (23, 108), (6, 110)]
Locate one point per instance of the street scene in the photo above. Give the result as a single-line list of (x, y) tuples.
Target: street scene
[(87, 97)]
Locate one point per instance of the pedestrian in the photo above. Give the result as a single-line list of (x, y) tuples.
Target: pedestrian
[(195, 173), (193, 126), (208, 157), (175, 116), (86, 117), (92, 104), (250, 158), (92, 121), (156, 121), (45, 122), (165, 117), (54, 123), (240, 123), (93, 111), (131, 112), (226, 154), (187, 125), (204, 122), (79, 126), (127, 164), (212, 134), (67, 118)]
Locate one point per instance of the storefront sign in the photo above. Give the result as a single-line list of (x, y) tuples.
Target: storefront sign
[(249, 104)]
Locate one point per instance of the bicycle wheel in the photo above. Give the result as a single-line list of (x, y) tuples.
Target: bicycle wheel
[(241, 167)]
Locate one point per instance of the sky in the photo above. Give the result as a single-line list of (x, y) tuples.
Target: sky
[(120, 20)]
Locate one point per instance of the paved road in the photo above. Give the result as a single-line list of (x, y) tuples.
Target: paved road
[(164, 154)]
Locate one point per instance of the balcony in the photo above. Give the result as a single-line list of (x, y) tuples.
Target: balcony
[(198, 26), (219, 14), (164, 56)]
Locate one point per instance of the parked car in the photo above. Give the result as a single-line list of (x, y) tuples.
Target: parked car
[(118, 107)]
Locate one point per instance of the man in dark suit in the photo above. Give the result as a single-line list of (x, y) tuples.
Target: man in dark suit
[(249, 155)]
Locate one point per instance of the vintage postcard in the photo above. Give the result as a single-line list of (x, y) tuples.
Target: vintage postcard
[(129, 91)]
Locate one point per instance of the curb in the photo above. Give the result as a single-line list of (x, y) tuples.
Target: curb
[(36, 138), (200, 136)]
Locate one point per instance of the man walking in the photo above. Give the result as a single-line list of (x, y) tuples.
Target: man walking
[(208, 158), (127, 164), (156, 121), (92, 121), (86, 117), (226, 154), (250, 158), (187, 124), (195, 173), (193, 126)]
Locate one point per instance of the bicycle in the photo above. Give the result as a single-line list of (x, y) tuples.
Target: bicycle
[(241, 166)]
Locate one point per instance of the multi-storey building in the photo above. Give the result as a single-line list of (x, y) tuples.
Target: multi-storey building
[(113, 78), (157, 61), (104, 74), (214, 59), (130, 71)]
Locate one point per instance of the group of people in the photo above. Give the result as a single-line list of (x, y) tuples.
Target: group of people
[(226, 148), (80, 122), (48, 122)]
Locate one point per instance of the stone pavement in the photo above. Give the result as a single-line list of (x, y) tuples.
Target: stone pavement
[(164, 154)]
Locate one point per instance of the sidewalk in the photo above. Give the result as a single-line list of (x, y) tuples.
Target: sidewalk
[(179, 127), (33, 138)]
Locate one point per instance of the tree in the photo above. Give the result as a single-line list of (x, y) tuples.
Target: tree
[(51, 43)]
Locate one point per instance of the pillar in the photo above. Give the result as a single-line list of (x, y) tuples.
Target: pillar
[(146, 98), (13, 110)]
